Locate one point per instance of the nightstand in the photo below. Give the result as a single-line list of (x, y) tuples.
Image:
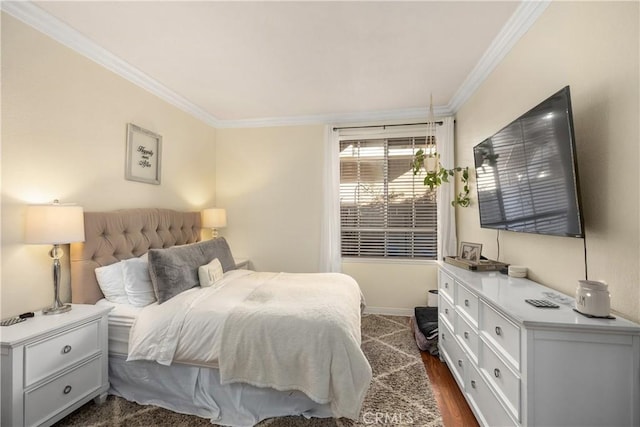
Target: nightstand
[(52, 365), (242, 263)]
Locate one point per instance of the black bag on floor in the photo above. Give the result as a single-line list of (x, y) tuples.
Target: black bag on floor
[(425, 325)]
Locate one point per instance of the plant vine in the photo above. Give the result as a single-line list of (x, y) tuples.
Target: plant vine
[(440, 175)]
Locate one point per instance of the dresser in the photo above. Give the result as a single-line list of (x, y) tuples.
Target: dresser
[(518, 365), (52, 365)]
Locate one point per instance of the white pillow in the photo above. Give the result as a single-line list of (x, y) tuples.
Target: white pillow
[(137, 283), (111, 283), (210, 273)]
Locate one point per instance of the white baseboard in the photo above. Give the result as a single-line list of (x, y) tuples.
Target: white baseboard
[(391, 311)]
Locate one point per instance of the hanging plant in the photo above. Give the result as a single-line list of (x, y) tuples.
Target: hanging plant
[(436, 175), (429, 160)]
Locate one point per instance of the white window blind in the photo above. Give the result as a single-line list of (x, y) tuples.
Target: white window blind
[(385, 212)]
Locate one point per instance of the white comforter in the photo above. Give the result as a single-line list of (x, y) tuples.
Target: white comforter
[(278, 330)]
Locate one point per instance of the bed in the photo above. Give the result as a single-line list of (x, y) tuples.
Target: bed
[(244, 347)]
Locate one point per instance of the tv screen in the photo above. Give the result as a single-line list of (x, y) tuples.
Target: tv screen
[(527, 176)]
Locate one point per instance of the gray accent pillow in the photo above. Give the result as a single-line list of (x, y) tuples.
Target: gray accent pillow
[(174, 270)]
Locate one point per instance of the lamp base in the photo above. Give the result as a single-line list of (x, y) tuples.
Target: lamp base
[(57, 310)]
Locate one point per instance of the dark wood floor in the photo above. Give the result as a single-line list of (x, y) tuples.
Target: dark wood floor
[(453, 406)]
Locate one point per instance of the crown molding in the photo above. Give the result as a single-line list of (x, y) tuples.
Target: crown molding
[(46, 23), (522, 19), (335, 119)]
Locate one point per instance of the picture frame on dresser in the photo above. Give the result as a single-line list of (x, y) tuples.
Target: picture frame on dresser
[(143, 155), (470, 251)]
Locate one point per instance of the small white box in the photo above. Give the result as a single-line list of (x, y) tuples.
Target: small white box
[(517, 271)]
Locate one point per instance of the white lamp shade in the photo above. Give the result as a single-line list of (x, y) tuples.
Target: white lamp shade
[(214, 218), (54, 224)]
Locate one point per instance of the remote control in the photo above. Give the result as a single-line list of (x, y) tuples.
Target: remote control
[(541, 303)]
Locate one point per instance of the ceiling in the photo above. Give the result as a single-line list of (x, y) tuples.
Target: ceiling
[(234, 63)]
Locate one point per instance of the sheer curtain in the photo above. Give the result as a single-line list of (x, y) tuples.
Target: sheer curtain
[(446, 193), (330, 257)]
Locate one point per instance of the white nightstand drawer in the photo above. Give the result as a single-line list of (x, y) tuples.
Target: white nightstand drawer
[(63, 391), (60, 351), (505, 381), (502, 333), (467, 303)]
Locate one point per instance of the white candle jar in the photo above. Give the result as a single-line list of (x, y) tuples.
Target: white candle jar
[(593, 298)]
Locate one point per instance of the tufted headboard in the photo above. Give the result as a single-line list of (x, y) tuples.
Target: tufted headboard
[(114, 236)]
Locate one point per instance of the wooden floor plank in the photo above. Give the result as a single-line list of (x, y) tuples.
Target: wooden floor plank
[(453, 406)]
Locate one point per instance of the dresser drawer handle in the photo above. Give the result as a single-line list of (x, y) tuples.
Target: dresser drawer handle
[(446, 311), (443, 336), (460, 363), (473, 384), (446, 285), (496, 373), (466, 335), (466, 303), (498, 331), (66, 349), (67, 389)]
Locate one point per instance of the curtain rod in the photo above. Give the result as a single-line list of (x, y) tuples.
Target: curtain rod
[(439, 123)]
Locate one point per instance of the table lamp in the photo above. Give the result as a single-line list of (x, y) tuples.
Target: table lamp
[(55, 224), (214, 218)]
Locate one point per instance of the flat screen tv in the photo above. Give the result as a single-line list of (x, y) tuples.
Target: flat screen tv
[(527, 176)]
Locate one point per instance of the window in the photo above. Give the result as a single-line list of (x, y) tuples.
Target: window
[(385, 212)]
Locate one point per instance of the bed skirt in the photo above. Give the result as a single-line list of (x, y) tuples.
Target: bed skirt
[(197, 391)]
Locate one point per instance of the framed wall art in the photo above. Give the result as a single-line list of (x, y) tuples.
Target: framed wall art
[(144, 155)]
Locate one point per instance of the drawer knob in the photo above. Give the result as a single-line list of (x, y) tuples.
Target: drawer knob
[(443, 336), (67, 389), (498, 331), (466, 303), (473, 384), (460, 363), (466, 335), (66, 349), (446, 285), (496, 373), (446, 311)]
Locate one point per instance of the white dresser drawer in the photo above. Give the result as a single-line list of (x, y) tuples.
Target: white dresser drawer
[(63, 391), (445, 285), (505, 381), (485, 401), (447, 312), (60, 351), (467, 303), (502, 333), (468, 336), (457, 360)]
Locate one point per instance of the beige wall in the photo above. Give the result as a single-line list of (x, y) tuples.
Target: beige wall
[(270, 182), (393, 287), (63, 136), (593, 47)]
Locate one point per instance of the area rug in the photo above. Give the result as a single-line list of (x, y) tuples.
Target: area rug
[(400, 393)]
